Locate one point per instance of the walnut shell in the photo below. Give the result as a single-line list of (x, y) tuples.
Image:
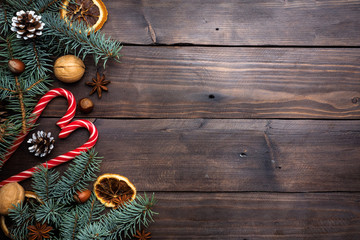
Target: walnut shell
[(11, 193), (69, 68)]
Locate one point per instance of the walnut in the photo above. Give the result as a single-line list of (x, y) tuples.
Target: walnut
[(11, 193), (69, 68)]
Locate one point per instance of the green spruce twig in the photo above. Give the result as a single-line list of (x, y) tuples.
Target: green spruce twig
[(50, 212), (44, 181), (20, 91), (125, 220), (81, 216), (75, 38), (22, 216), (72, 220), (58, 38), (82, 171)]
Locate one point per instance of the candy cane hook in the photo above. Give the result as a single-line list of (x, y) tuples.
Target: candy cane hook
[(39, 108), (64, 157), (66, 129)]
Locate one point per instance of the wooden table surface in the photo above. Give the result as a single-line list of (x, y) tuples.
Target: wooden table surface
[(242, 116)]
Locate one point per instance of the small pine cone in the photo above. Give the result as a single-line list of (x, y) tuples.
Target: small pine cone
[(27, 25), (42, 143)]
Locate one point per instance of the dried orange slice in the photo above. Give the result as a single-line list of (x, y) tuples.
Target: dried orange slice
[(92, 12), (113, 190)]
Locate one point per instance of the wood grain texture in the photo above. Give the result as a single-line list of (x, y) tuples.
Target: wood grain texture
[(214, 82), (220, 155), (222, 131), (253, 216), (257, 216), (232, 22)]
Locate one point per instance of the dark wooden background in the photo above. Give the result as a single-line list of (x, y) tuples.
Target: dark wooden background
[(242, 116)]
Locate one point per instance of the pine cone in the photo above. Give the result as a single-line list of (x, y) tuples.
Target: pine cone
[(42, 142), (27, 25)]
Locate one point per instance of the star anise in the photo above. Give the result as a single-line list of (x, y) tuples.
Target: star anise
[(39, 231), (121, 200), (142, 235), (98, 84)]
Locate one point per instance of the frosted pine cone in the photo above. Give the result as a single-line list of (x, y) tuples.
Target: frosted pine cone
[(42, 142), (27, 25)]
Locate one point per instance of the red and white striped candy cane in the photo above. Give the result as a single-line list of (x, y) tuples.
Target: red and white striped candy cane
[(66, 131), (69, 115)]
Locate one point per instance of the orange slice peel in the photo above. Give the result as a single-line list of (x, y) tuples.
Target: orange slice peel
[(114, 190), (92, 13)]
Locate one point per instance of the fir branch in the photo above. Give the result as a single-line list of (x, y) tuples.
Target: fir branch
[(80, 221), (69, 226), (81, 216), (18, 91), (18, 5), (75, 225), (10, 49), (8, 90), (36, 56), (49, 5), (34, 84), (22, 216), (93, 231), (43, 182), (38, 60), (90, 211), (8, 134), (5, 14), (82, 171), (124, 221), (22, 105), (76, 38), (50, 212)]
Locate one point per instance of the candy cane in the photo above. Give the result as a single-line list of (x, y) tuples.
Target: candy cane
[(62, 158), (69, 115), (67, 129)]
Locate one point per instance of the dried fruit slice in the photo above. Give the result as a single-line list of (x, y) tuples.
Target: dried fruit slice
[(113, 190), (92, 12)]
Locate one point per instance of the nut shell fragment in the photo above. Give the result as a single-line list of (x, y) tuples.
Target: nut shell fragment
[(10, 194)]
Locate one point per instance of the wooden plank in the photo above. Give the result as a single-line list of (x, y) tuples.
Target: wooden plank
[(203, 82), (220, 155), (232, 22), (257, 216)]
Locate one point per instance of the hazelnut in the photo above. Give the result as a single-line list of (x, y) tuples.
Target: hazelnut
[(82, 196), (10, 194), (16, 66), (86, 105), (69, 68)]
